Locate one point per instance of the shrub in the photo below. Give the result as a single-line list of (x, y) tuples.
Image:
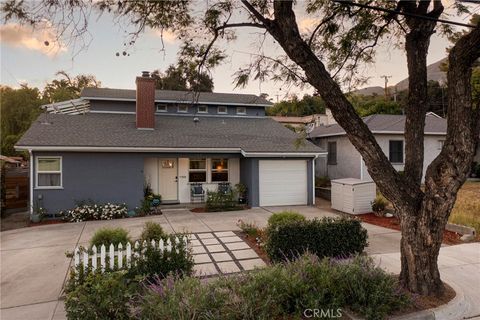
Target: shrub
[(379, 204), (152, 231), (160, 263), (283, 217), (219, 201), (99, 296), (321, 182), (107, 236), (327, 237), (92, 211), (281, 291), (249, 228)]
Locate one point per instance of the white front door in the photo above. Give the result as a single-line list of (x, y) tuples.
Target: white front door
[(168, 179)]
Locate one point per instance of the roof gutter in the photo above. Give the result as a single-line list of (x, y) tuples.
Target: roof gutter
[(282, 154), (189, 101), (127, 149), (376, 132)]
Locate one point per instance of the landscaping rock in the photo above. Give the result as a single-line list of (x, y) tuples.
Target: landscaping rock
[(467, 237), (388, 215)]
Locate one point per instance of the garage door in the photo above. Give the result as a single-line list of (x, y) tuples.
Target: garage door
[(283, 182)]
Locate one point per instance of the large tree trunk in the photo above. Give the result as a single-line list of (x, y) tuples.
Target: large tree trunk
[(423, 214)]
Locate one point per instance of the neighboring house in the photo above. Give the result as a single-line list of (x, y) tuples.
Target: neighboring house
[(169, 140), (344, 161), (315, 119)]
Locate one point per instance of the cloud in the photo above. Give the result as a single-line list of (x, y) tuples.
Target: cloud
[(307, 24), (20, 36), (168, 36)]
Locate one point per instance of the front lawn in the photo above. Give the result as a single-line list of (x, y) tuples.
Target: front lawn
[(467, 207)]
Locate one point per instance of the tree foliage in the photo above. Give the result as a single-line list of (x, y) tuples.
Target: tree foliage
[(20, 107), (308, 105)]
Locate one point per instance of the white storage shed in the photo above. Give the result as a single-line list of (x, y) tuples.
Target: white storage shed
[(353, 196)]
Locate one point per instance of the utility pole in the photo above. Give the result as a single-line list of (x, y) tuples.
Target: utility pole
[(386, 86)]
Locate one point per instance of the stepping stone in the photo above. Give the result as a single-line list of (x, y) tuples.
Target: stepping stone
[(237, 245), (205, 269), (221, 256), (199, 249), (252, 263), (201, 258), (228, 267), (224, 234), (210, 241), (230, 239), (245, 254), (205, 235), (195, 243), (215, 248)]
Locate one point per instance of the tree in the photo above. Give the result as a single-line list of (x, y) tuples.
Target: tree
[(67, 88), (346, 35), (308, 105), (19, 107), (179, 78)]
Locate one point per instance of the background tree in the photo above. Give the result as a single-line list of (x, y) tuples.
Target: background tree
[(345, 36), (19, 107), (308, 105), (66, 87)]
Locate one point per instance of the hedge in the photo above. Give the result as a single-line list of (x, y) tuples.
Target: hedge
[(327, 237)]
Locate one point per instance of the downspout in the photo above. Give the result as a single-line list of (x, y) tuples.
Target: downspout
[(313, 177), (31, 180), (361, 168)]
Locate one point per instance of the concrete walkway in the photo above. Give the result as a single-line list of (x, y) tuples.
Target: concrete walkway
[(459, 267), (34, 266)]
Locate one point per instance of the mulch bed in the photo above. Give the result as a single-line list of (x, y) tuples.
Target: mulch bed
[(449, 237), (203, 209), (252, 242), (45, 222)]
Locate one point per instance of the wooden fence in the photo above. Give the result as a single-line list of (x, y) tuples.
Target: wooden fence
[(16, 188), (121, 257)]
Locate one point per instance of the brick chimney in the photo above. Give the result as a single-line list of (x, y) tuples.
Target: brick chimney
[(145, 108)]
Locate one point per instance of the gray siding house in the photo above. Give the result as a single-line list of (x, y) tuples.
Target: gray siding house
[(124, 139), (344, 161)]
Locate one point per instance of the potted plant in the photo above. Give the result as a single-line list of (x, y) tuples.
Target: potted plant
[(241, 190), (38, 213)]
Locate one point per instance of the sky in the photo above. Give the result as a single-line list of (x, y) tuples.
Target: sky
[(25, 58)]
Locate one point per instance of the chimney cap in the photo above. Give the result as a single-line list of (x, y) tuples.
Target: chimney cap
[(146, 74)]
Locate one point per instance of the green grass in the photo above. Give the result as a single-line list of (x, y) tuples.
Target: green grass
[(467, 207)]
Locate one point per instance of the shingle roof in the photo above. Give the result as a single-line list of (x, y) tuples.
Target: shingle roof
[(178, 96), (385, 123), (118, 130)]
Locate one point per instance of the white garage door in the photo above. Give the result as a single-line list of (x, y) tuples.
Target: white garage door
[(283, 182)]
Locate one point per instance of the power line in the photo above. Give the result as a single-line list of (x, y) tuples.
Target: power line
[(413, 15)]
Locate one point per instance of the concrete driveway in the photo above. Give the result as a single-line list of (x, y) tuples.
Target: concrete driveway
[(34, 266)]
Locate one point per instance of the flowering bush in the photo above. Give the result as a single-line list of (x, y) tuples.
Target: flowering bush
[(106, 211)]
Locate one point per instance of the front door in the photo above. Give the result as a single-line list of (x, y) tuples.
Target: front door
[(168, 181)]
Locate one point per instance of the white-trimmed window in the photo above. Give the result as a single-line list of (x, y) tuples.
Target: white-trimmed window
[(197, 170), (161, 107), (182, 108), (241, 110), (49, 172), (219, 170), (202, 109), (222, 110)]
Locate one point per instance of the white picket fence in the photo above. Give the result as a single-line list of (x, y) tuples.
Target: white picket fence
[(118, 258)]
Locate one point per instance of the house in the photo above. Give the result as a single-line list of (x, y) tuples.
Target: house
[(315, 120), (344, 161), (168, 140)]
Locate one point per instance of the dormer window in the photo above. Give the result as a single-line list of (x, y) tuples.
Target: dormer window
[(182, 109), (202, 109), (162, 108), (222, 110), (241, 110)]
